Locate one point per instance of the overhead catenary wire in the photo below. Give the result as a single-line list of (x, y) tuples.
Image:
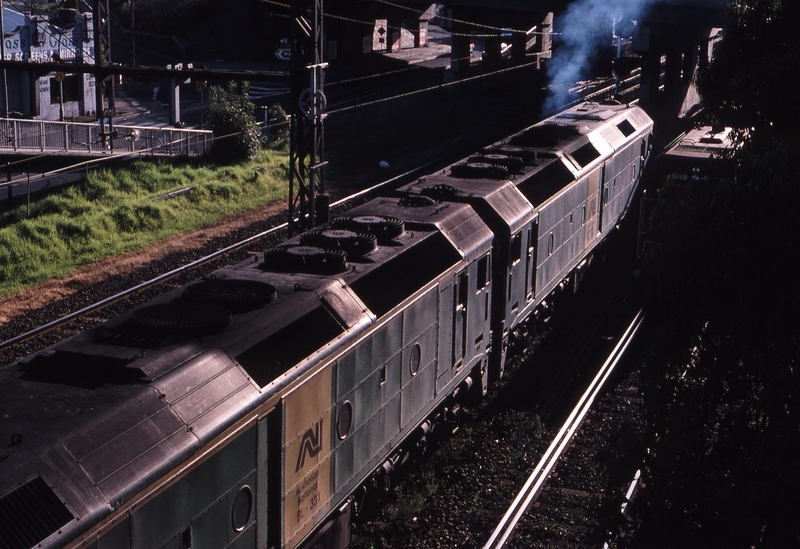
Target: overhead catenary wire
[(361, 78), (499, 30), (165, 22), (334, 111), (432, 88), (414, 68), (371, 24)]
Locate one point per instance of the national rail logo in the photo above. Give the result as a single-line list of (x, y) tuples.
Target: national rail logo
[(310, 445)]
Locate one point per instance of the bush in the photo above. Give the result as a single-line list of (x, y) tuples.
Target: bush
[(278, 125), (233, 121)]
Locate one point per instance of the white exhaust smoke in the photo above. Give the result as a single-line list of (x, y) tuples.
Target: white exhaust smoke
[(581, 30)]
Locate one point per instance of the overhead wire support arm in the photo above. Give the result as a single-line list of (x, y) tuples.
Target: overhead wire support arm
[(308, 205)]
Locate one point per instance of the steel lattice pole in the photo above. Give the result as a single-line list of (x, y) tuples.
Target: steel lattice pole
[(306, 154), (101, 25)]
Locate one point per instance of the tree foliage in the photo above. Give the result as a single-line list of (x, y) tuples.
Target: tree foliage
[(722, 382), (747, 86), (233, 121), (720, 385), (279, 126)]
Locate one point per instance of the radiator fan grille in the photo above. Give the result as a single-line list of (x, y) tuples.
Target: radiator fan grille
[(304, 259)]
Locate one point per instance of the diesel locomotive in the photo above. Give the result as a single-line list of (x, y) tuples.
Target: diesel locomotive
[(250, 408)]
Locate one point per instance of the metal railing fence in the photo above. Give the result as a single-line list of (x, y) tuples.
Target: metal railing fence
[(77, 138)]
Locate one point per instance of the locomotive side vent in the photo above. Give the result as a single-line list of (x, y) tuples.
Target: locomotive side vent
[(394, 281), (546, 182), (385, 228), (585, 154), (131, 334), (30, 514), (85, 371), (184, 317), (354, 244), (294, 258), (239, 296), (276, 354), (546, 136), (626, 128)]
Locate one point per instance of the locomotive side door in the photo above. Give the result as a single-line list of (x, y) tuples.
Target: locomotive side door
[(460, 296), (603, 199), (529, 266), (268, 497), (533, 252)]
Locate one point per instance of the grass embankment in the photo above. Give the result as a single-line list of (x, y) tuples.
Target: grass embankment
[(114, 212)]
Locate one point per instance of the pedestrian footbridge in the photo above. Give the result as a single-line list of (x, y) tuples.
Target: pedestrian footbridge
[(31, 137)]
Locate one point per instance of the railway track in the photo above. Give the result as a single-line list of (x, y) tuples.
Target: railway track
[(535, 482)]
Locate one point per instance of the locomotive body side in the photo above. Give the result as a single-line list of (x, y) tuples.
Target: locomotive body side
[(384, 385), (591, 160), (513, 222), (158, 410), (575, 175)]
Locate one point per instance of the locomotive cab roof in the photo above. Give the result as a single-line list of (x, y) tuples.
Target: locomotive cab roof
[(587, 135)]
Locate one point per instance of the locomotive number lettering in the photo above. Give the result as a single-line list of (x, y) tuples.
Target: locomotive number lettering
[(307, 493)]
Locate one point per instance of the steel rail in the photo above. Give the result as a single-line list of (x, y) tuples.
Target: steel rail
[(179, 270), (533, 486)]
